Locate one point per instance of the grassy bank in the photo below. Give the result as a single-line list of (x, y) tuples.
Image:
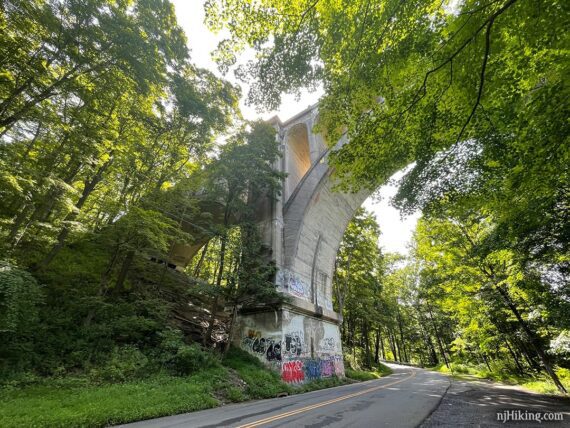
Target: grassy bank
[(78, 401), (538, 383), (362, 375)]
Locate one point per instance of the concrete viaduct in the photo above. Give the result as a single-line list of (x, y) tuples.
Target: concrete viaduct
[(304, 228)]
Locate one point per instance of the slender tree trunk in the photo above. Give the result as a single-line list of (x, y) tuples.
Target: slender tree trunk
[(377, 347), (517, 362), (125, 270), (14, 236), (392, 346), (486, 359), (533, 339), (63, 234), (366, 343), (438, 337), (198, 267), (210, 329), (402, 340), (232, 328)]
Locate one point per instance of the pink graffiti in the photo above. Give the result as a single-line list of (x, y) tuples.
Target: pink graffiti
[(292, 371), (327, 368), (339, 366)]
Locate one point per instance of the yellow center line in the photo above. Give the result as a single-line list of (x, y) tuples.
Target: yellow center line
[(324, 403)]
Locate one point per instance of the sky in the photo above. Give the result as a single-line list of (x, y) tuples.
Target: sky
[(396, 231)]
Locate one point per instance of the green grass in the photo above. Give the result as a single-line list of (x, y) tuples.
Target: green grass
[(362, 375), (78, 402), (99, 405), (539, 383), (320, 384), (261, 382)]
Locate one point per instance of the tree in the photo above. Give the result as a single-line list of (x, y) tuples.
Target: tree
[(359, 268), (241, 179), (472, 92), (105, 127), (456, 262), (88, 132)]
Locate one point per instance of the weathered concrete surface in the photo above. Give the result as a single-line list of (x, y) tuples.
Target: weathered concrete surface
[(310, 219), (298, 345), (304, 228)]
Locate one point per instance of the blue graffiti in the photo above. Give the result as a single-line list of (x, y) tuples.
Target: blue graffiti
[(312, 369)]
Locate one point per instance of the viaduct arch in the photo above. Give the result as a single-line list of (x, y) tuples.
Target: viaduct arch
[(303, 228)]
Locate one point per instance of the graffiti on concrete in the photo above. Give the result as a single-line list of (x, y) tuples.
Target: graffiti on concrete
[(327, 368), (328, 344), (292, 371), (334, 364), (303, 369), (293, 284), (300, 347), (271, 348), (294, 344), (312, 369)]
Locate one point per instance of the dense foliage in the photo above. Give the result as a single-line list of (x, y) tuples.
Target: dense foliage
[(474, 93), (450, 303), (108, 161)]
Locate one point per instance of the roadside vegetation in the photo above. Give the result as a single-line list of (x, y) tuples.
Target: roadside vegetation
[(91, 401), (110, 160), (439, 306), (538, 383), (375, 372)]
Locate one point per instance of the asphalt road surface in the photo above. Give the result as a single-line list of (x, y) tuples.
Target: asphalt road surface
[(409, 397)]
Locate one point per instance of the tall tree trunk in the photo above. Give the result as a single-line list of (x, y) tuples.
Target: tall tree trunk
[(366, 343), (63, 234), (232, 328), (198, 267), (486, 359), (377, 347), (210, 329), (533, 339), (438, 338), (392, 346), (517, 362), (402, 340), (125, 270)]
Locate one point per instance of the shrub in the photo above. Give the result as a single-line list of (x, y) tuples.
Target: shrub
[(190, 359), (20, 296), (126, 362)]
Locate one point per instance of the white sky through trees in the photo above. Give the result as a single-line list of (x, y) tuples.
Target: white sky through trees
[(396, 232)]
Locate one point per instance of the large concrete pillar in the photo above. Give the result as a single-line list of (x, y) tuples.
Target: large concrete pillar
[(302, 338)]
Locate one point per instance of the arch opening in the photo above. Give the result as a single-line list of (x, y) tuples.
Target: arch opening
[(297, 157)]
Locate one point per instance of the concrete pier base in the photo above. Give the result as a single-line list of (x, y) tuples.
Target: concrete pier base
[(300, 346)]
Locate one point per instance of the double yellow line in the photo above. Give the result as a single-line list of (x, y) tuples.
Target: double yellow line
[(321, 404)]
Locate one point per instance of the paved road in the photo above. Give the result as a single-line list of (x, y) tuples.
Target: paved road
[(385, 402), (478, 403), (408, 398)]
